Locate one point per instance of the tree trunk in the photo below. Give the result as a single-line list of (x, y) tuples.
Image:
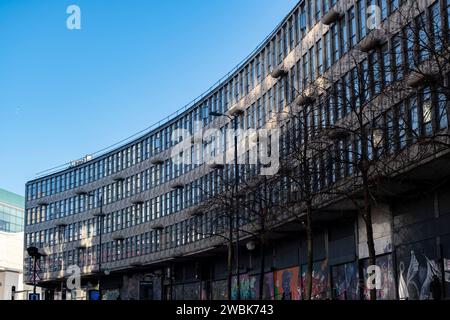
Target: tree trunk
[(230, 269), (262, 267), (309, 244), (367, 216)]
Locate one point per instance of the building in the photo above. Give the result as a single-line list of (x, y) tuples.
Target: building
[(12, 207), (146, 226)]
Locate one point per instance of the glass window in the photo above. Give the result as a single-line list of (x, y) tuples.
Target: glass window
[(318, 11), (352, 26), (343, 34), (422, 40), (328, 49), (336, 43), (362, 18), (397, 51), (312, 59), (319, 57), (386, 64), (427, 111), (436, 25), (384, 9), (305, 71), (443, 115), (303, 19), (394, 5), (448, 17), (414, 118)]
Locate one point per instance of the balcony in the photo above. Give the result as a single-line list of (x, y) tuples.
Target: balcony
[(42, 203), (372, 41), (158, 227), (426, 72), (157, 160), (118, 237), (331, 16), (236, 110), (337, 134), (177, 184), (216, 165), (60, 224), (278, 72), (80, 192), (304, 100), (137, 201), (118, 178)]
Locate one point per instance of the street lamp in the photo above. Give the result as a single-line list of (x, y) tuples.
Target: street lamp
[(100, 219), (34, 253), (233, 118)]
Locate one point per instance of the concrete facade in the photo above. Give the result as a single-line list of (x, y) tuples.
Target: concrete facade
[(160, 238)]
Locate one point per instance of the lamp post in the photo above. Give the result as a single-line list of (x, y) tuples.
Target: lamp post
[(100, 219), (234, 119), (33, 252)]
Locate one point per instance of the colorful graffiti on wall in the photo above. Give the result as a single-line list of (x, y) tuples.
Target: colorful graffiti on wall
[(110, 294), (387, 291), (416, 277), (345, 280), (320, 276), (287, 284), (269, 286), (248, 287), (219, 290)]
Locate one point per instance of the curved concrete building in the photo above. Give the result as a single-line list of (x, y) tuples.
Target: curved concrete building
[(160, 204)]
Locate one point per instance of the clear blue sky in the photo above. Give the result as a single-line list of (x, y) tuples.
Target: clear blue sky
[(66, 93)]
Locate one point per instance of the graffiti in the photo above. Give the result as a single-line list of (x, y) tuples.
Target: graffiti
[(191, 291), (130, 289), (268, 288), (248, 287), (345, 281), (387, 281), (415, 283), (319, 280), (287, 284), (112, 294), (219, 290)]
